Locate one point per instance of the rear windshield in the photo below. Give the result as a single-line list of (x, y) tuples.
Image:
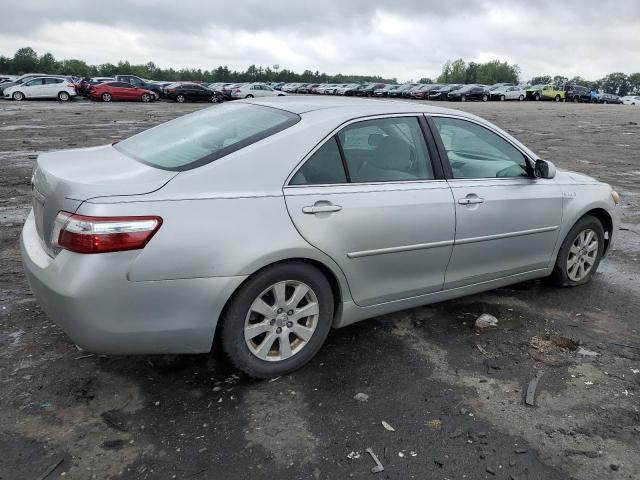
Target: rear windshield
[(204, 136)]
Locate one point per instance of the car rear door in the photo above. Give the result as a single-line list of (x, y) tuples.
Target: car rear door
[(507, 221), (374, 199)]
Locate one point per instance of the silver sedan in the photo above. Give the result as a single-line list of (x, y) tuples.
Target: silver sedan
[(265, 223)]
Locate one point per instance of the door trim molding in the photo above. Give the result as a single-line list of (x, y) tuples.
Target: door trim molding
[(499, 236), (403, 248)]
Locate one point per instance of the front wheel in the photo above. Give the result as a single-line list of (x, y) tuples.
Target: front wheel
[(278, 320), (485, 97), (557, 99), (180, 98), (521, 98), (215, 99), (580, 253), (536, 97), (249, 96), (502, 98), (18, 96), (463, 98), (146, 98), (106, 97)]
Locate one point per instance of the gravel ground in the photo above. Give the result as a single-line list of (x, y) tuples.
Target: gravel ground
[(455, 398)]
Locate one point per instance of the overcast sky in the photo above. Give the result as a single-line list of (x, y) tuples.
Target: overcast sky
[(404, 39)]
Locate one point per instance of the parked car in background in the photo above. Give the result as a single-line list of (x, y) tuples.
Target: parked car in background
[(399, 92), (508, 92), (155, 87), (291, 87), (185, 92), (631, 100), (422, 91), (61, 88), (442, 93), (495, 86), (546, 92), (307, 88), (86, 84), (117, 91), (407, 93), (609, 98), (469, 92), (277, 85), (384, 91), (577, 93), (349, 90), (122, 270), (20, 79), (369, 89), (255, 90)]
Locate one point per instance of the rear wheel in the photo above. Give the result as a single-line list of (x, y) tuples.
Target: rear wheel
[(521, 98), (18, 96), (249, 96), (557, 99), (64, 96), (180, 98), (215, 99), (502, 98), (463, 98), (580, 253), (278, 320), (106, 97), (485, 97), (536, 97)]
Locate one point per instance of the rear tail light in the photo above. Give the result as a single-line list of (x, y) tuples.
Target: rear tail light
[(237, 90), (84, 234)]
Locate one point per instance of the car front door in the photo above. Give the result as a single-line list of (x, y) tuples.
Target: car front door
[(33, 88), (507, 221), (373, 198)]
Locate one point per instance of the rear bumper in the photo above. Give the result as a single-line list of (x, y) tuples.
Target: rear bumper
[(91, 299)]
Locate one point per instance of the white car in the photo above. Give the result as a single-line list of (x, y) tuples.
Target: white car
[(631, 100), (291, 87), (43, 87), (255, 90), (509, 93)]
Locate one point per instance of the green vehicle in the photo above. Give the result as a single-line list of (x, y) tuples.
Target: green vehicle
[(546, 92)]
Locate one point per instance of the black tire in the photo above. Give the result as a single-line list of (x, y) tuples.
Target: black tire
[(232, 327), (536, 97), (521, 98), (557, 98), (106, 97), (249, 96), (18, 96), (64, 96), (485, 97), (560, 276), (215, 99), (180, 98), (502, 98)]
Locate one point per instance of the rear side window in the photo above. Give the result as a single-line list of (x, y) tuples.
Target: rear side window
[(204, 136), (323, 167)]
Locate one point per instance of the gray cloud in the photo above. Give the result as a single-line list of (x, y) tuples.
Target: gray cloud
[(406, 39)]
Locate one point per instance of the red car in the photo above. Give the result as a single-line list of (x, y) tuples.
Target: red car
[(109, 91)]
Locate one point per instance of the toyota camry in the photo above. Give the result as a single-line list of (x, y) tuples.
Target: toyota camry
[(264, 223)]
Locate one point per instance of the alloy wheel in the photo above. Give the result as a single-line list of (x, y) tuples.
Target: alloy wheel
[(281, 320), (18, 96), (582, 255), (106, 97)]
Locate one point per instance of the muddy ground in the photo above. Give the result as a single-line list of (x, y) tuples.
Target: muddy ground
[(454, 397)]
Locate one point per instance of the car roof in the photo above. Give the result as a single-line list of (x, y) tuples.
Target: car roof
[(353, 107)]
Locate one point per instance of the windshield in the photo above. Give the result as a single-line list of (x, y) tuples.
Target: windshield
[(204, 136)]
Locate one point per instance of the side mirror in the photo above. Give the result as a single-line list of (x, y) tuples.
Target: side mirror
[(545, 169)]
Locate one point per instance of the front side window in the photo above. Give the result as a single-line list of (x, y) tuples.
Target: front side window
[(386, 150), (206, 135), (476, 152)]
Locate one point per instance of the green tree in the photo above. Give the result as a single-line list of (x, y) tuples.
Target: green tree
[(616, 83), (25, 60), (634, 83), (541, 80)]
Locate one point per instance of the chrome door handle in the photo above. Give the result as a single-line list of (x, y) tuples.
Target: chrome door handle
[(321, 209), (469, 200)]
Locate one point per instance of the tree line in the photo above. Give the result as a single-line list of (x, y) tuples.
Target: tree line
[(27, 60)]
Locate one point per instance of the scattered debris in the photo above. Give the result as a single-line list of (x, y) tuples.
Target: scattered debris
[(81, 357), (456, 433), (353, 455), (588, 383), (436, 424), (50, 469), (530, 398), (614, 467), (485, 321), (274, 379), (413, 454), (387, 426), (482, 350), (584, 355), (635, 370), (491, 470), (361, 397), (378, 468), (401, 454), (520, 451), (620, 344)]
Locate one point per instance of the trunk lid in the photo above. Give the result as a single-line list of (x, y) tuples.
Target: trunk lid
[(63, 180)]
